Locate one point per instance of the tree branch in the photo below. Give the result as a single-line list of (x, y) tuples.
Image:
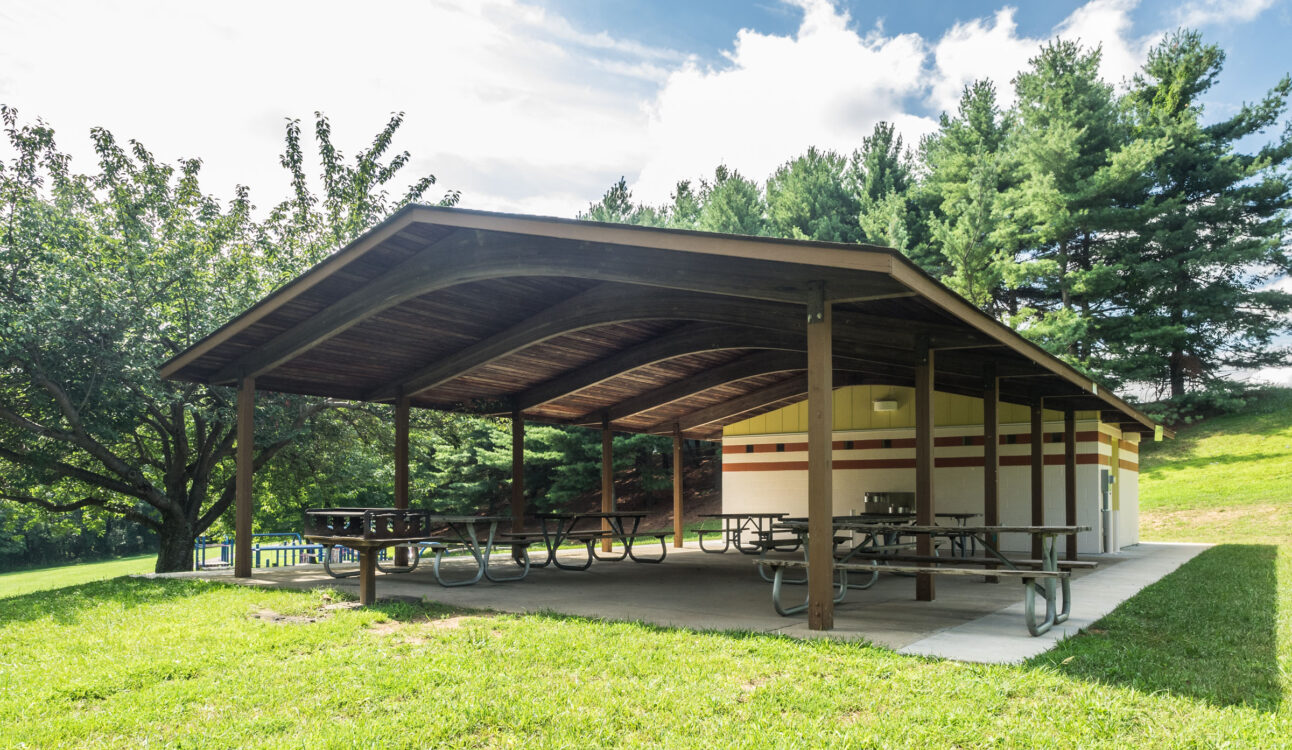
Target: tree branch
[(87, 502)]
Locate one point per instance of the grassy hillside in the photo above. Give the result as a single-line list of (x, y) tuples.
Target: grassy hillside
[(44, 579), (1228, 479)]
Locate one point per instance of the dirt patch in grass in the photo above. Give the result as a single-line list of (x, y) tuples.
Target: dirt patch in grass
[(1207, 518), (268, 615)]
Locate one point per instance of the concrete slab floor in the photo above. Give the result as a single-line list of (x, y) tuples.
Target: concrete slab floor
[(970, 620)]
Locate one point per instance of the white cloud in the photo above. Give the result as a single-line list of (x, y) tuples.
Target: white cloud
[(509, 102), (826, 85), (993, 50), (976, 50), (1211, 12), (496, 80)]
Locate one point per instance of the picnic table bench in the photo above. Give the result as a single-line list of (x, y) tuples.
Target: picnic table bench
[(559, 528), (1045, 576), (1054, 612)]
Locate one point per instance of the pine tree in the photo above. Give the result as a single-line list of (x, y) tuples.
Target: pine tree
[(882, 175), (968, 169), (1213, 233), (808, 199), (1078, 169)]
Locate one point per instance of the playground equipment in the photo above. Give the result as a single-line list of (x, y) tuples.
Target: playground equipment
[(295, 552)]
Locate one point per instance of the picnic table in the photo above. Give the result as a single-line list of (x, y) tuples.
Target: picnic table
[(465, 532), (1047, 576), (559, 528), (735, 525), (967, 544)]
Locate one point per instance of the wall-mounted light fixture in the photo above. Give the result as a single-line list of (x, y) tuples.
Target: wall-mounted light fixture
[(885, 405)]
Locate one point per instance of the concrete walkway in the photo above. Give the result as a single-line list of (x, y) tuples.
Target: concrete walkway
[(995, 639), (970, 620)]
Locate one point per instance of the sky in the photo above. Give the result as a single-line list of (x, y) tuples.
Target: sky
[(538, 106)]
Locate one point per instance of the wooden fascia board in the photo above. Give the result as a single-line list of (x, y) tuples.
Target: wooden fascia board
[(862, 258), (947, 300)]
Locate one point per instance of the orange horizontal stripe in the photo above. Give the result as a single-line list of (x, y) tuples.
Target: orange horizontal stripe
[(1130, 466)]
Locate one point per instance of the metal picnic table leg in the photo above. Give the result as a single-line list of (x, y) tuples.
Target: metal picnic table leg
[(327, 564), (472, 544), (556, 545), (617, 530), (488, 556)]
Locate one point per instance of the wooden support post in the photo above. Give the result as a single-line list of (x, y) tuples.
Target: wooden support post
[(607, 477), (1070, 476), (244, 467), (991, 453), (820, 366), (924, 422), (1038, 472), (402, 406), (367, 575), (677, 485), (517, 471)]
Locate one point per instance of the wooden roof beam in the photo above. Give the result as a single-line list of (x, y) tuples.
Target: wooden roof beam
[(690, 338), (601, 305)]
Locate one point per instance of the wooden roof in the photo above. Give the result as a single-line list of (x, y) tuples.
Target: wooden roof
[(571, 321)]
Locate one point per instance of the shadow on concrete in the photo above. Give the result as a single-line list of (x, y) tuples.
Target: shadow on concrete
[(1207, 631)]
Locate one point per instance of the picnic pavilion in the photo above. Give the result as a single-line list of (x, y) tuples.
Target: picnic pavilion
[(641, 330)]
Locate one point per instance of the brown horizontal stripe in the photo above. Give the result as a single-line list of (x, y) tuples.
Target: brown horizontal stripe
[(1130, 447), (1129, 465), (767, 466), (955, 441), (875, 463)]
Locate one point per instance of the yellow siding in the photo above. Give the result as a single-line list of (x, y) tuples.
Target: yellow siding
[(854, 410)]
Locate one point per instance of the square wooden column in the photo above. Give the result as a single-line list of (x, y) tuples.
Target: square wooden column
[(991, 453), (677, 485), (244, 467), (1070, 476), (607, 477), (517, 471), (402, 407), (924, 422), (820, 461), (1038, 472)]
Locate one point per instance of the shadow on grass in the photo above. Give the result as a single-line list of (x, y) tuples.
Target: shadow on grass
[(1207, 631), (66, 605)]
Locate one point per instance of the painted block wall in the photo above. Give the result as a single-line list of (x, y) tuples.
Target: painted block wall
[(767, 471)]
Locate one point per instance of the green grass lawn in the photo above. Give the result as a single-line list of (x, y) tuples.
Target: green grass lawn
[(1203, 658), (1229, 478), (27, 581)]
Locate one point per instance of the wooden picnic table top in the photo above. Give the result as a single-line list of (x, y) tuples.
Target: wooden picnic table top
[(861, 525), (743, 515), (437, 518), (612, 514)]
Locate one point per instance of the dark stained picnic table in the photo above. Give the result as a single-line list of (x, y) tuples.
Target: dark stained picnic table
[(734, 526)]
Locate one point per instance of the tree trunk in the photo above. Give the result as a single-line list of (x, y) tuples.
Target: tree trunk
[(175, 546), (1176, 367)]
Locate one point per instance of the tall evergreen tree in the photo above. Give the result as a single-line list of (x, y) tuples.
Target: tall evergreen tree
[(968, 169), (882, 175), (808, 199), (1214, 231), (732, 204), (1077, 168)]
